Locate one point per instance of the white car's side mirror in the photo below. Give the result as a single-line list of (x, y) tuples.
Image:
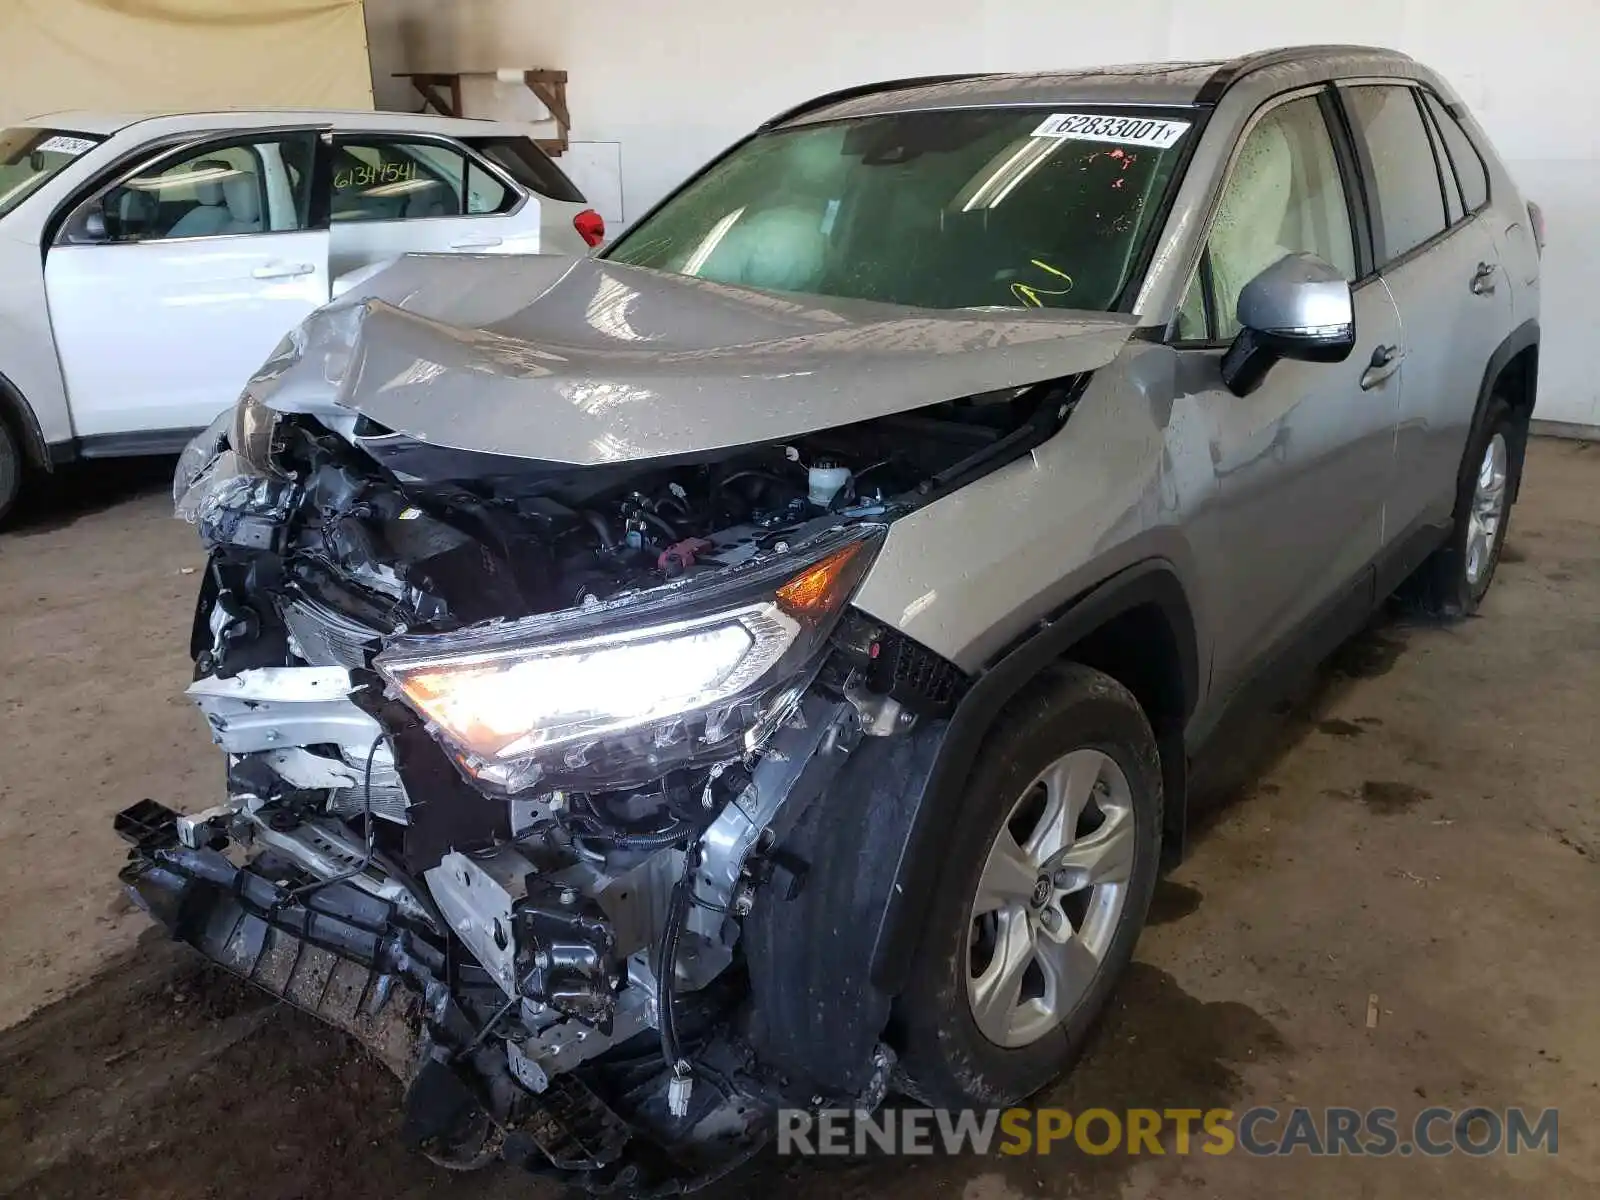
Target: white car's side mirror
[(94, 225)]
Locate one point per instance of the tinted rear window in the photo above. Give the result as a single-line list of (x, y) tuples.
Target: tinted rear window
[(1409, 198), (1464, 156), (529, 166)]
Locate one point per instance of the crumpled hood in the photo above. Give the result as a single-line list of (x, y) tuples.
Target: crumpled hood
[(586, 362)]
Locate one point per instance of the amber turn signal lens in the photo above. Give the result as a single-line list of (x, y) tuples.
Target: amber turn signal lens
[(822, 588)]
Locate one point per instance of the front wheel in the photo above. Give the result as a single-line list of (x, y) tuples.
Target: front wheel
[(1050, 867), (1456, 577), (10, 470)]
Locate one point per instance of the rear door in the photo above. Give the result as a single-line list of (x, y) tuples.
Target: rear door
[(395, 194), (170, 287), (1304, 462), (1441, 263), (558, 199)]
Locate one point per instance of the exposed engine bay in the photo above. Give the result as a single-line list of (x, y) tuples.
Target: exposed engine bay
[(502, 538), (513, 749)]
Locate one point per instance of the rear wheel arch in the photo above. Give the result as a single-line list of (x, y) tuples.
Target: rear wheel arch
[(1138, 627), (1512, 374)]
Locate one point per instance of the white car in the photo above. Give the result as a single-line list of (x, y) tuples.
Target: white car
[(149, 264)]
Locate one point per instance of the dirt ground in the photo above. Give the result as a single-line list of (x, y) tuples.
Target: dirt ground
[(1420, 822)]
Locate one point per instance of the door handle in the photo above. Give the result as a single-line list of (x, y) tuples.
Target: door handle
[(484, 243), (1483, 279), (1385, 362), (283, 270)]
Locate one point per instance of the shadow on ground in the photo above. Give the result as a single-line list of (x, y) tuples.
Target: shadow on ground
[(1158, 1048), (1254, 738), (79, 489), (168, 1078)]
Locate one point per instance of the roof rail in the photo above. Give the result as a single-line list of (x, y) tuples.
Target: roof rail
[(866, 89), (1232, 71)]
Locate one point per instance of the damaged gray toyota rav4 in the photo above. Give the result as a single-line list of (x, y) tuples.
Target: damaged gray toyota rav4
[(759, 666)]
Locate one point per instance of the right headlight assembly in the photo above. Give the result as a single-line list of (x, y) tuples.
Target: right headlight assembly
[(200, 455), (226, 474), (246, 428), (618, 695)]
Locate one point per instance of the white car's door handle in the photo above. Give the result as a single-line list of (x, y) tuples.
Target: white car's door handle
[(1385, 362), (482, 243), (280, 270)]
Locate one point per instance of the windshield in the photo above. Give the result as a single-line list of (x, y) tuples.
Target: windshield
[(1013, 207), (30, 156)]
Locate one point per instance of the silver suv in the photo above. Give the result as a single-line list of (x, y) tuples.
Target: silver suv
[(759, 666)]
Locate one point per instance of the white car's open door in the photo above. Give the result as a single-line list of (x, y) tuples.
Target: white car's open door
[(170, 289), (397, 194)]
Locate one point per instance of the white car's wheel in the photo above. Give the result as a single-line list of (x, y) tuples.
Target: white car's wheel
[(10, 470)]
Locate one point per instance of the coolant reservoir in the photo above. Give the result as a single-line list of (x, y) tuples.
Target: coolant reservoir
[(825, 481)]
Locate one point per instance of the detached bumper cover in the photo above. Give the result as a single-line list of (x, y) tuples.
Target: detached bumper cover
[(345, 956), (338, 953)]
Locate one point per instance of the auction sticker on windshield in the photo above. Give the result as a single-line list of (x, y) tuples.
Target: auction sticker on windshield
[(1126, 131), (61, 144)]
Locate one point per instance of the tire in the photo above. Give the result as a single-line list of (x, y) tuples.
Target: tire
[(11, 467), (1453, 580), (1072, 724)]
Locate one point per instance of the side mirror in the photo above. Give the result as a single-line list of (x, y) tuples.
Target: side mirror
[(1299, 308), (89, 224)]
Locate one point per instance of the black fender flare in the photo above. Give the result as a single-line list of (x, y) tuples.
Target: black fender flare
[(18, 414), (1154, 581), (1519, 339), (1523, 337)]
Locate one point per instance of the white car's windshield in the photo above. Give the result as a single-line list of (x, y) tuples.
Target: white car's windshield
[(30, 156), (1014, 207)]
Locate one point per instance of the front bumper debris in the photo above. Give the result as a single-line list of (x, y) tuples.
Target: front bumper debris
[(337, 953), (346, 956)]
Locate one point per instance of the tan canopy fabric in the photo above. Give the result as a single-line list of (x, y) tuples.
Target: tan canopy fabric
[(137, 55)]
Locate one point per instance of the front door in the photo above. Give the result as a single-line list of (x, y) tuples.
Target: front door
[(1304, 462), (170, 289)]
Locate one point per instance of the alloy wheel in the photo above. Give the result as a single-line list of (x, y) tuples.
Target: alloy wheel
[(1487, 515), (1052, 889)]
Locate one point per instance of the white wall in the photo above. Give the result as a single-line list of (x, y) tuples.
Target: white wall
[(673, 83)]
